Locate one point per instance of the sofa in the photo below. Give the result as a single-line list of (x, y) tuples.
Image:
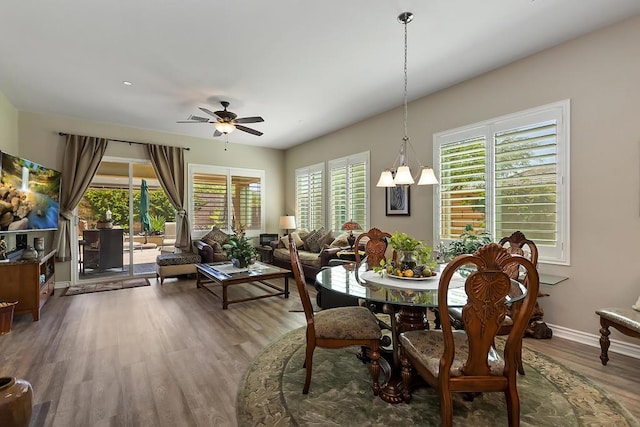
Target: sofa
[(314, 254)]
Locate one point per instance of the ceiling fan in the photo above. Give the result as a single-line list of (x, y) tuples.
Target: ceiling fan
[(225, 121)]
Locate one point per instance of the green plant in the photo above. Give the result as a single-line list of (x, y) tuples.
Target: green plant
[(156, 222), (468, 243), (402, 242), (240, 248)]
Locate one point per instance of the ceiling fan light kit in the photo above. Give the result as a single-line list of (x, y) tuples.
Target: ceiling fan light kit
[(402, 174), (225, 121)]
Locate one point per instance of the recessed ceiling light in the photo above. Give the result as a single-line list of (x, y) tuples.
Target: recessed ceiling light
[(127, 83)]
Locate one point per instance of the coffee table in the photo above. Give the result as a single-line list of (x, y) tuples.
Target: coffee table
[(225, 275)]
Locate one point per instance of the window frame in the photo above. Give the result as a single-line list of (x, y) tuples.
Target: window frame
[(558, 111), (229, 173)]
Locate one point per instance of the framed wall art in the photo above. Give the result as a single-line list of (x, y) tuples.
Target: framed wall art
[(397, 200)]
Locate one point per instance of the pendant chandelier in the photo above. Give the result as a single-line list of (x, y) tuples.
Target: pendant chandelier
[(402, 175)]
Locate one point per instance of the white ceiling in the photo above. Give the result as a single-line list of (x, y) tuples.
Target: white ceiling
[(307, 67)]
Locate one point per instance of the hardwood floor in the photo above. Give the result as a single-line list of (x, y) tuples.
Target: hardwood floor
[(170, 356)]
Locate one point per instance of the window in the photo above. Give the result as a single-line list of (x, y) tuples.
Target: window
[(227, 198), (505, 175), (310, 197), (348, 190)]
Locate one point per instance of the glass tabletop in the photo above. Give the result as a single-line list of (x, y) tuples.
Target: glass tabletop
[(360, 283)]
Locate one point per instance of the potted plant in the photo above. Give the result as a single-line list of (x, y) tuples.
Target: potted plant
[(468, 243), (240, 250), (414, 259)]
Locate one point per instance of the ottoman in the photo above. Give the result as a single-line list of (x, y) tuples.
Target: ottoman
[(171, 265)]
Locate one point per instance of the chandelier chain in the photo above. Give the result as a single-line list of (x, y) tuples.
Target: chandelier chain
[(405, 80)]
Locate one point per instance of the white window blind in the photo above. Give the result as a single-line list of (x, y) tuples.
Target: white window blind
[(226, 198), (348, 190), (508, 174), (310, 197)]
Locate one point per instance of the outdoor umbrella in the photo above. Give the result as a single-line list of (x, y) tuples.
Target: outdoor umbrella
[(144, 207)]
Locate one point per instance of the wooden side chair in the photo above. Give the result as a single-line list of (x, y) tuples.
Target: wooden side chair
[(375, 247), (336, 327), (466, 360), (516, 244)]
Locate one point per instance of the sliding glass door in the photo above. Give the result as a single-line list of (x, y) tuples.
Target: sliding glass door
[(121, 221)]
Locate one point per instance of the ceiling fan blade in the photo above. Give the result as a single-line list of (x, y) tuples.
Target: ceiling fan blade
[(206, 110), (217, 133), (192, 121), (202, 119), (256, 119), (249, 130)]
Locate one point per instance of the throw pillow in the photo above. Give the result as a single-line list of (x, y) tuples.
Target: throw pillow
[(216, 235), (297, 239), (312, 241), (306, 238), (326, 240), (340, 241), (284, 241)]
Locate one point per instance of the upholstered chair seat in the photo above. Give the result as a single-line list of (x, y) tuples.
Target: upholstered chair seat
[(428, 346), (347, 323)]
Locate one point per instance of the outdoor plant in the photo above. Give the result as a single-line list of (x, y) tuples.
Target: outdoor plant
[(157, 224), (468, 243), (240, 250)]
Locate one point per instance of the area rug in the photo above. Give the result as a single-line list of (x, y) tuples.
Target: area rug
[(340, 394), (106, 286)]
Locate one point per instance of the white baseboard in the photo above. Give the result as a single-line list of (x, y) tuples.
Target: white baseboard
[(621, 347), (62, 285)]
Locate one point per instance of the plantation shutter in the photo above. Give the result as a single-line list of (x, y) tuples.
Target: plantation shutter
[(358, 193), (209, 201), (348, 190), (525, 182), (246, 200), (309, 197), (462, 186), (338, 194)]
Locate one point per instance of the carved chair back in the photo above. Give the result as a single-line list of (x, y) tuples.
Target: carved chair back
[(375, 247)]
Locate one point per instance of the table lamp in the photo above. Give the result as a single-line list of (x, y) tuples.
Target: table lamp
[(288, 222), (351, 225)]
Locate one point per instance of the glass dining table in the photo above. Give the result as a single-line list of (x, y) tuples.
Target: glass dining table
[(405, 301)]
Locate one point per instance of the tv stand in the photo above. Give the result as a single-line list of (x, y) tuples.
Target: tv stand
[(29, 282)]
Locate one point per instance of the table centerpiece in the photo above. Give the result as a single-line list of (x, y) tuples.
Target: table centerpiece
[(412, 260)]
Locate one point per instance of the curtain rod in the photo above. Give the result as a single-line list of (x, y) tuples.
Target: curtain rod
[(126, 142)]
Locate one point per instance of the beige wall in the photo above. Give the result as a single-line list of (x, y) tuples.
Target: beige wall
[(8, 126), (39, 141), (599, 73)]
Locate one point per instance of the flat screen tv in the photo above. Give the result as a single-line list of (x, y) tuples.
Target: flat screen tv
[(29, 195)]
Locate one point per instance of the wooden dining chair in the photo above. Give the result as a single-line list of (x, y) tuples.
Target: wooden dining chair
[(336, 327), (374, 248), (465, 360), (516, 244)]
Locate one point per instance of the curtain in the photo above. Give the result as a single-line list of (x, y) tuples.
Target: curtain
[(82, 156), (168, 162)]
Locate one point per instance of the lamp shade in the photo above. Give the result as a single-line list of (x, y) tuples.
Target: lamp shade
[(427, 177), (386, 179), (351, 225), (224, 127), (287, 222), (403, 176)]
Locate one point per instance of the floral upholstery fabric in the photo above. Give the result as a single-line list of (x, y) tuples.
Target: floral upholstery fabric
[(428, 347), (178, 259), (347, 323), (622, 316)]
